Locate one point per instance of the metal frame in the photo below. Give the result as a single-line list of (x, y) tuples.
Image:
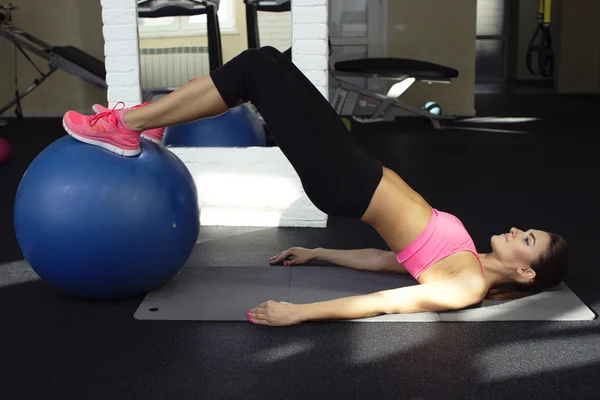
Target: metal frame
[(367, 106), (24, 41), (12, 34), (252, 9), (351, 100), (210, 8)]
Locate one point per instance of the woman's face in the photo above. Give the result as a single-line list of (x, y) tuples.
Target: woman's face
[(520, 248)]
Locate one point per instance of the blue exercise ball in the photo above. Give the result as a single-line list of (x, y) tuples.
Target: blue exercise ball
[(101, 226), (238, 127)]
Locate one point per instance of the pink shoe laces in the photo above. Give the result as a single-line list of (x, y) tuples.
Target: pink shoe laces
[(110, 117)]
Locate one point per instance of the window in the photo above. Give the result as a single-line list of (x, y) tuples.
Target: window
[(188, 26)]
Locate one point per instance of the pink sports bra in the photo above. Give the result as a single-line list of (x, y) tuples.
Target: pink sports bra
[(444, 235)]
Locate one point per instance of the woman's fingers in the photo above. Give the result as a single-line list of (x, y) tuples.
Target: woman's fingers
[(279, 257), (282, 256), (259, 321), (292, 256), (292, 261), (257, 315)]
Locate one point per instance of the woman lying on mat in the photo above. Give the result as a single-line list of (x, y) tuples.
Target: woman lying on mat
[(342, 180)]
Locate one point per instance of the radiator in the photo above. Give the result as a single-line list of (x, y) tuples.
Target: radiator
[(174, 66)]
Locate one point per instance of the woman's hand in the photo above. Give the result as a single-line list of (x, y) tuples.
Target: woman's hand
[(294, 256), (275, 313)]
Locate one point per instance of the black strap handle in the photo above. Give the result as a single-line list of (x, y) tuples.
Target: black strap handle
[(545, 53)]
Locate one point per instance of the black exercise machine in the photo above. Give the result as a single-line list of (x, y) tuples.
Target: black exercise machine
[(178, 8), (252, 9), (351, 100), (85, 66), (68, 58), (365, 105)]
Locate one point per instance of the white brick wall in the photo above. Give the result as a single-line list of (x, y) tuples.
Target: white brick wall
[(122, 51), (255, 186), (309, 38), (240, 187)]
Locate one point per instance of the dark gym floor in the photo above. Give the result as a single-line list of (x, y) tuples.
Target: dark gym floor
[(492, 174)]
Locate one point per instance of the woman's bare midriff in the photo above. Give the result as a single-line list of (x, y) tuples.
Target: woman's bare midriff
[(397, 212), (400, 215)]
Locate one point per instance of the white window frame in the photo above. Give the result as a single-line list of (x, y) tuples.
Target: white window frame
[(181, 26)]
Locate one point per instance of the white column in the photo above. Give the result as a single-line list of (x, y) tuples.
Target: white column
[(310, 41), (121, 48)]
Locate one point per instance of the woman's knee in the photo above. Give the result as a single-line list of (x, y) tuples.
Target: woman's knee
[(255, 57), (270, 50)]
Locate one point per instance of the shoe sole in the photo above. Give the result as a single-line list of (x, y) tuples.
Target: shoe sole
[(153, 140), (110, 147)]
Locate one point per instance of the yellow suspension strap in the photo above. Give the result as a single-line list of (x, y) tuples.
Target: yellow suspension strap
[(545, 55)]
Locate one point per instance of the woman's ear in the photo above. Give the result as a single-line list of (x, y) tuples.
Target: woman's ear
[(526, 272)]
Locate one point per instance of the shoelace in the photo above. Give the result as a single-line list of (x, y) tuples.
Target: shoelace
[(110, 117)]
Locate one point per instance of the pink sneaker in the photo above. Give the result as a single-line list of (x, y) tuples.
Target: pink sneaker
[(154, 135), (106, 130)]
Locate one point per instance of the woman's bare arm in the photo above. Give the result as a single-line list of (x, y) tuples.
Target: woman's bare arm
[(431, 297), (437, 296), (363, 259)]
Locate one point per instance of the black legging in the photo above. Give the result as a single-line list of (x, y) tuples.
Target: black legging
[(338, 177)]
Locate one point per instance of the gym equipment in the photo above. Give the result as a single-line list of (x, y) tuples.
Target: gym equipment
[(100, 226), (5, 151), (353, 101), (67, 58), (545, 54), (366, 106), (81, 64), (252, 8), (238, 127), (433, 108), (178, 8), (348, 124), (226, 294)]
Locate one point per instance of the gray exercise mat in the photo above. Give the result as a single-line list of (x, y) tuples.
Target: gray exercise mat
[(227, 293), (558, 304), (215, 293)]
